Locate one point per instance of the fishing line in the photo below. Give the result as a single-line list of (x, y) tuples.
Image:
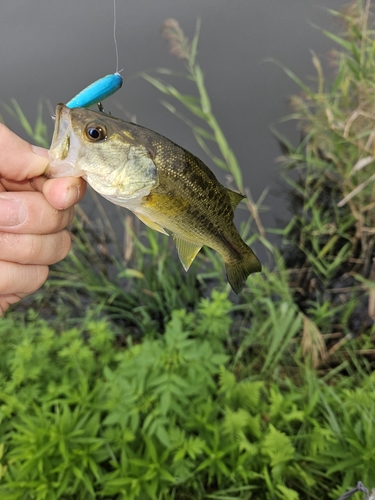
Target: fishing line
[(102, 88), (114, 34)]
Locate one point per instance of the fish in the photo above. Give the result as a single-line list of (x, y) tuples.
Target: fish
[(164, 185), (97, 91)]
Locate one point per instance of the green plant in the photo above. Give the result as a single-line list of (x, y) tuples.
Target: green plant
[(79, 419), (164, 389), (329, 241), (166, 418)]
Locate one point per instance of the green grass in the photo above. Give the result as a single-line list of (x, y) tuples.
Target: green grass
[(169, 386)]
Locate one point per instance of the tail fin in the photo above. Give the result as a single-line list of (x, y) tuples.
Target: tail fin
[(238, 270)]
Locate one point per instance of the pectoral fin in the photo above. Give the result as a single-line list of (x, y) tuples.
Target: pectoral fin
[(187, 251), (151, 224)]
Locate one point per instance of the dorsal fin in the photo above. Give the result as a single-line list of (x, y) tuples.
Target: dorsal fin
[(235, 198)]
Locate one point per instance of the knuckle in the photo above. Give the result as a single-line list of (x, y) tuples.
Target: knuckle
[(62, 246), (6, 277), (41, 277), (67, 243)]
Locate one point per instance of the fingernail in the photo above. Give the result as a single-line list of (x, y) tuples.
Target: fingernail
[(12, 212), (40, 151), (72, 196)]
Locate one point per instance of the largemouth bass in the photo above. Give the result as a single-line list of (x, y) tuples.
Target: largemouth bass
[(165, 186)]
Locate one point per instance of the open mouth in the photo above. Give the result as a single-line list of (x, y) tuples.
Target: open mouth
[(65, 146)]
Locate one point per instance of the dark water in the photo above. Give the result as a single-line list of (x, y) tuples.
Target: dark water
[(52, 50)]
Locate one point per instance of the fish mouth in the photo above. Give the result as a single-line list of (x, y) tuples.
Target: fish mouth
[(65, 146)]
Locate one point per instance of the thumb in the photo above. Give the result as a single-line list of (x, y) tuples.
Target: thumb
[(19, 160)]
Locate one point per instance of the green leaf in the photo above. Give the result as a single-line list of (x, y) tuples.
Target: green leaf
[(163, 436), (277, 446), (285, 493)]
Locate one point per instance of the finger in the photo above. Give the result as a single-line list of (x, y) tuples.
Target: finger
[(18, 159), (9, 185), (61, 193), (25, 212), (34, 249), (21, 279), (64, 192), (6, 300)]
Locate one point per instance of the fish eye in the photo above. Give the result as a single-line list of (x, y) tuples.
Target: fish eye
[(96, 133)]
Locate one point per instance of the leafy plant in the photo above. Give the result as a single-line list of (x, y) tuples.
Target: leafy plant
[(167, 419), (167, 388)]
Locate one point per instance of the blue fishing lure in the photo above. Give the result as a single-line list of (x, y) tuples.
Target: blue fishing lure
[(97, 91)]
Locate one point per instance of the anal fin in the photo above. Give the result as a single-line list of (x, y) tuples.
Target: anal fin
[(187, 251), (150, 223)]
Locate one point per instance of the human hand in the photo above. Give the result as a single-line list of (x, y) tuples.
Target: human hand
[(33, 214)]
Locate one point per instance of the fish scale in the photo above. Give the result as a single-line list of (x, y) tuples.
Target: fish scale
[(194, 177), (163, 184)]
